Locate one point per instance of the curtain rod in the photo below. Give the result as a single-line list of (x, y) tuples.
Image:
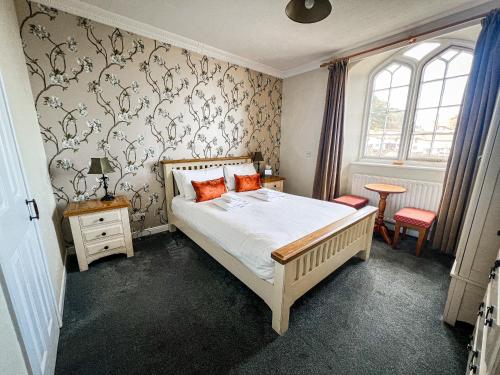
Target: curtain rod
[(411, 39)]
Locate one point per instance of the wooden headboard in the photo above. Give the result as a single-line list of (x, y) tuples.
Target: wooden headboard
[(169, 165)]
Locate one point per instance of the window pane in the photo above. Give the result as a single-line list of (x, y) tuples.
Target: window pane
[(454, 90), (449, 54), (393, 67), (397, 100), (373, 145), (382, 80), (380, 101), (434, 70), (424, 120), (420, 146), (377, 122), (441, 146), (447, 119), (401, 77), (390, 146), (394, 122), (421, 50), (460, 65), (429, 94)]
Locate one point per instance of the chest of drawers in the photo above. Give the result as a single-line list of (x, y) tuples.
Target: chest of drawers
[(100, 228), (484, 348)]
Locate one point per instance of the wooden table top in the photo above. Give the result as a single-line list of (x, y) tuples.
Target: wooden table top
[(385, 188), (95, 205), (272, 178)]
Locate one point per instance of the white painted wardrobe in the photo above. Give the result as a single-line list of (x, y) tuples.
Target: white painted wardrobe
[(479, 240)]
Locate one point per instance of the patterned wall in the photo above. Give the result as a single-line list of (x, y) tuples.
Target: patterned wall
[(100, 91)]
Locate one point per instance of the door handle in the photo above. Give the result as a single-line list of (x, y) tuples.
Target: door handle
[(35, 206)]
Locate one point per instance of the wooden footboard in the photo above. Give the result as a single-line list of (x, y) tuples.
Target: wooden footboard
[(303, 263)]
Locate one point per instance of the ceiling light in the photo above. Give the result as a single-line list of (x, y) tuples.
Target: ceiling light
[(308, 11)]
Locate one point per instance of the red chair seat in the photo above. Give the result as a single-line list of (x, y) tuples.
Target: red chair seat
[(415, 216), (353, 201)]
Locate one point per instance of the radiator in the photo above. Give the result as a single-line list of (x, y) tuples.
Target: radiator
[(419, 194)]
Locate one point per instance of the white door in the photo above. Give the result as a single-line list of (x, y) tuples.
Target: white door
[(23, 267)]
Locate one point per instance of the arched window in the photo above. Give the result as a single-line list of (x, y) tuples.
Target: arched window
[(387, 110), (414, 103), (441, 91)]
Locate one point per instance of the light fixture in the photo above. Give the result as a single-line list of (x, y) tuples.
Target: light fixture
[(257, 158), (102, 166), (308, 11)]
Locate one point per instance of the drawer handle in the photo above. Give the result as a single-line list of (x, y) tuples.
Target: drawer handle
[(488, 321), (492, 273), (481, 311), (103, 233), (106, 247), (101, 219)]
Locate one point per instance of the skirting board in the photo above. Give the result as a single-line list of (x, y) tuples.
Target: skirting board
[(62, 290), (150, 231)]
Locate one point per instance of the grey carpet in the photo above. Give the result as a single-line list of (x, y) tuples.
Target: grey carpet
[(172, 309)]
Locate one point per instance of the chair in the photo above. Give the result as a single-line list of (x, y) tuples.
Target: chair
[(353, 201), (413, 218)]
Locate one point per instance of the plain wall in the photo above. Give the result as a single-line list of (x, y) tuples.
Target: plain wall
[(301, 118), (20, 102), (301, 121)]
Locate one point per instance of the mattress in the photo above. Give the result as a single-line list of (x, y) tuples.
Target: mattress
[(253, 232)]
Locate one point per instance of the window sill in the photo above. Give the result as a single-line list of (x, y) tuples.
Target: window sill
[(404, 166)]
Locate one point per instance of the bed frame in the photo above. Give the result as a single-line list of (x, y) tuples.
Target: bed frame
[(299, 265)]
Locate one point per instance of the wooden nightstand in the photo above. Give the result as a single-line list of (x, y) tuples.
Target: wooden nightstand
[(100, 228), (273, 182)]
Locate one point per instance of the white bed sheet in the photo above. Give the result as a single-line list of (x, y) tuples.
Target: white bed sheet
[(253, 232)]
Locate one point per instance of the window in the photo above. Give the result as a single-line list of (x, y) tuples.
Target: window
[(387, 111), (416, 121)]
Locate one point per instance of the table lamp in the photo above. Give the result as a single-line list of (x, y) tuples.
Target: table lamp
[(101, 166), (257, 158)]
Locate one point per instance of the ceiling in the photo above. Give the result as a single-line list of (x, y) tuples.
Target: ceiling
[(258, 31)]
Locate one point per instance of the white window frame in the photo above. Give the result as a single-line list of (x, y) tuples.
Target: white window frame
[(417, 68)]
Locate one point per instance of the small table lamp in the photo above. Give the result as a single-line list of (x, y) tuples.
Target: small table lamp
[(257, 158), (101, 166)]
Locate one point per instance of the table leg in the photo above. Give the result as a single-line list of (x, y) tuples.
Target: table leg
[(379, 222)]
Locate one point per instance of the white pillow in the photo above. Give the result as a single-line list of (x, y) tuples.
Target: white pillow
[(240, 170), (186, 176), (178, 181)]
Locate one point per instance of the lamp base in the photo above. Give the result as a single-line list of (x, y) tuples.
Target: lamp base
[(107, 197)]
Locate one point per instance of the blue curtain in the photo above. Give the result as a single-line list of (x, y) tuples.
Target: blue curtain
[(470, 134)]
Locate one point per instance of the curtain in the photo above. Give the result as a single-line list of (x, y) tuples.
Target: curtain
[(470, 134), (327, 177)]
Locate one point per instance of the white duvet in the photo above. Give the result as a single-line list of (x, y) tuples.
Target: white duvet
[(253, 232)]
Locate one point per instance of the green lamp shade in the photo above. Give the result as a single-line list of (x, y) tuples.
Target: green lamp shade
[(100, 166)]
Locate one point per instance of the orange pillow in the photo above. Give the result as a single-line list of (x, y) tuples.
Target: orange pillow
[(210, 189), (247, 183)]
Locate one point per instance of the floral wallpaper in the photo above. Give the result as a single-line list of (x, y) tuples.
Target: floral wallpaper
[(100, 91)]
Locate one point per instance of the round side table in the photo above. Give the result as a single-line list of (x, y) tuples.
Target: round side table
[(383, 190)]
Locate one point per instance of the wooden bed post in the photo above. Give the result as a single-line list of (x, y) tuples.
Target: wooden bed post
[(281, 305), (365, 254)]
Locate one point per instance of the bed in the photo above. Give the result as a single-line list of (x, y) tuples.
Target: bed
[(279, 249)]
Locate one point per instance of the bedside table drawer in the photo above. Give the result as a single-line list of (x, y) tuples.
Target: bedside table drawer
[(100, 218), (102, 232), (278, 185), (103, 246)]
